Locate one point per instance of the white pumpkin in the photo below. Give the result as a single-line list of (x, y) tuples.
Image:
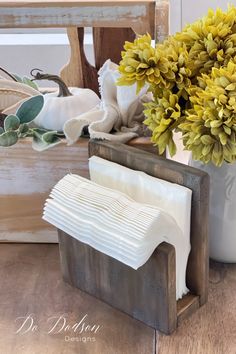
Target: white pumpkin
[(58, 110), (64, 104)]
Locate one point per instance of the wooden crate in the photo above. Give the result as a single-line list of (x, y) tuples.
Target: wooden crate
[(113, 22), (26, 178), (147, 294)]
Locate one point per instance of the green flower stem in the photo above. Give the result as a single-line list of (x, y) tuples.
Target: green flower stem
[(177, 123)]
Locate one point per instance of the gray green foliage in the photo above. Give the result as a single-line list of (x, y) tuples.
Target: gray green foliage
[(26, 80), (29, 109), (11, 122), (18, 126), (43, 139), (8, 138)]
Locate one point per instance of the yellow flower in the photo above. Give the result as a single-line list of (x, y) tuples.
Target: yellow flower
[(209, 129), (141, 63), (192, 76), (210, 41), (162, 116)]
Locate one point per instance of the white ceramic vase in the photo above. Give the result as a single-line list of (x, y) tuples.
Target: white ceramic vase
[(222, 228)]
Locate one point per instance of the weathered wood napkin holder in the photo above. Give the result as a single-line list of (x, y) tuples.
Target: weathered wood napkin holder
[(149, 293)]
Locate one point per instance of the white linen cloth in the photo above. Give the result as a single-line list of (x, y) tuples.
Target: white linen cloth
[(120, 110), (169, 197), (113, 223)]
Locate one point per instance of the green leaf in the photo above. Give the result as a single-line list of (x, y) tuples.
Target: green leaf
[(11, 122), (8, 138), (44, 139), (38, 132), (23, 128), (40, 145), (172, 147), (49, 137), (24, 131), (29, 109), (30, 83)]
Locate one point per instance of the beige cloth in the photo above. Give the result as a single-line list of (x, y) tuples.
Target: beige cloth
[(121, 110)]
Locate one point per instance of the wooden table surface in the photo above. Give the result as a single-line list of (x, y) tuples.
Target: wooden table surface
[(31, 283)]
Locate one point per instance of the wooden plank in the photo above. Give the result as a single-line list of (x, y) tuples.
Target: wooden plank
[(21, 219), (26, 178), (109, 42), (143, 143), (72, 72), (147, 294), (186, 306), (31, 283), (13, 3), (79, 72), (196, 180), (136, 14), (162, 20)]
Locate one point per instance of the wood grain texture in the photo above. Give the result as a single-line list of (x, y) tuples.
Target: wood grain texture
[(31, 283), (143, 143), (72, 72), (211, 329), (26, 178), (196, 180), (146, 294), (90, 73), (186, 307), (78, 71), (109, 42), (162, 20), (136, 14), (21, 219), (34, 285)]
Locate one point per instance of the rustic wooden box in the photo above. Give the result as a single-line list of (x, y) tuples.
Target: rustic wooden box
[(147, 294), (26, 178)]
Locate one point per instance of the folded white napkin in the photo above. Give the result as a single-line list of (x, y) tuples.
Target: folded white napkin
[(169, 197), (121, 110), (112, 222)]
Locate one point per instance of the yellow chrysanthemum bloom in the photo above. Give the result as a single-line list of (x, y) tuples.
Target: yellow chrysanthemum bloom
[(210, 41), (192, 78), (162, 117), (139, 63), (209, 129), (178, 58)]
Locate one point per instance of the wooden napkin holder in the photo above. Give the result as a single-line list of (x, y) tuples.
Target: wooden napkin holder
[(149, 293)]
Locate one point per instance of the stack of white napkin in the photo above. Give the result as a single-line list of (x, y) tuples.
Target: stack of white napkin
[(113, 223), (171, 198)]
